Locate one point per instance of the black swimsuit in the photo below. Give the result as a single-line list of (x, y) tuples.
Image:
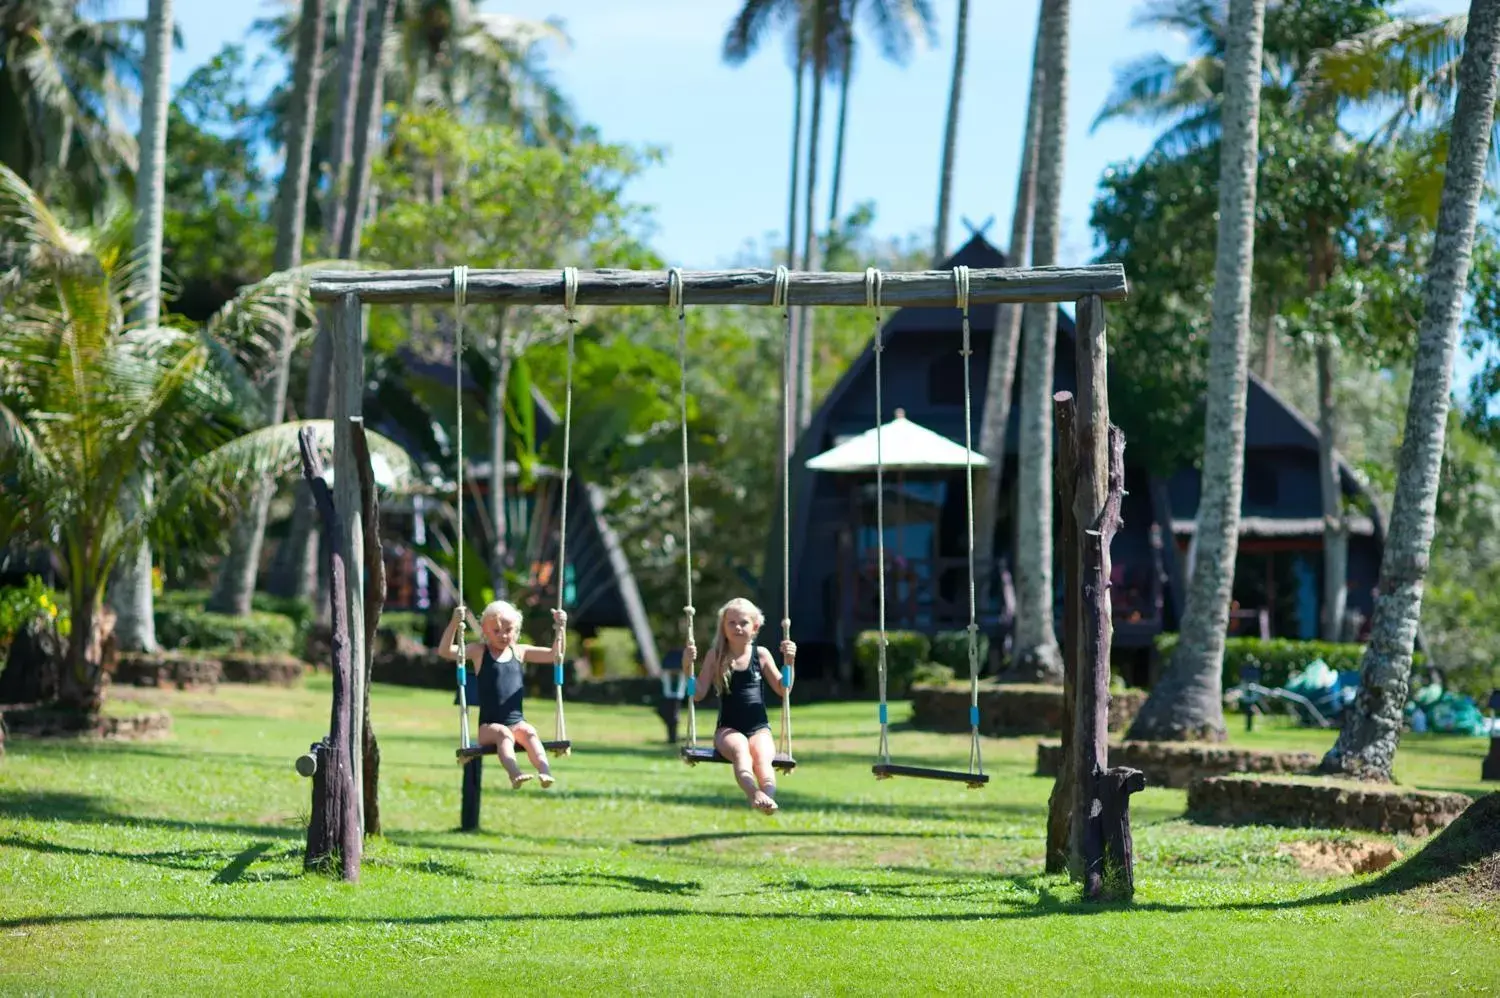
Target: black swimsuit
[(742, 707), (501, 688)]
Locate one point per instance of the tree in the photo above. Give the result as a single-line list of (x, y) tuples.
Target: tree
[(507, 204), (82, 389), (133, 593), (950, 137), (238, 572), (994, 419), (1186, 702), (62, 94), (1367, 741), (1035, 655)]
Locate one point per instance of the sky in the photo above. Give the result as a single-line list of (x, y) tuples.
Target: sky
[(649, 72)]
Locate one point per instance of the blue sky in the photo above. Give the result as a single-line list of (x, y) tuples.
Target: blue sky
[(648, 72)]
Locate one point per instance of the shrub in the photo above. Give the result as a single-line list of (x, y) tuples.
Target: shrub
[(261, 633), (951, 648), (932, 672), (904, 651), (1280, 657), (410, 623), (21, 604)]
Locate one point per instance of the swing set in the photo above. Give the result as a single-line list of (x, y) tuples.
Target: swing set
[(961, 287)]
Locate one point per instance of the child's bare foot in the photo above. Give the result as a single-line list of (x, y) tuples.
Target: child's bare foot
[(764, 802), (546, 780), (520, 779)]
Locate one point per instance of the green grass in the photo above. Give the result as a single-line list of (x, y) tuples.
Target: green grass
[(174, 866)]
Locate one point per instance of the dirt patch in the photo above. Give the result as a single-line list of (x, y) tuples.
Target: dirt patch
[(1334, 856)]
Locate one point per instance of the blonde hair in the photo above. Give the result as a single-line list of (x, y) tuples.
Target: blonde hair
[(501, 610), (720, 645)]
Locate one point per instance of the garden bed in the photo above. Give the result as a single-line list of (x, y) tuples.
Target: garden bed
[(205, 670), (1322, 802), (47, 722), (1178, 764), (1011, 709)]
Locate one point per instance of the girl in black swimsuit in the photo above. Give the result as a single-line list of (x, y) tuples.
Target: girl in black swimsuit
[(499, 659), (740, 670)]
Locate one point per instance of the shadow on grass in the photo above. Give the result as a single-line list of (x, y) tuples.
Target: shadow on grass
[(230, 867), (771, 832), (87, 809), (644, 885)]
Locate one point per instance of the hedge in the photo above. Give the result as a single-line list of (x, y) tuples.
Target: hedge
[(1280, 657), (179, 626), (904, 651), (951, 648)]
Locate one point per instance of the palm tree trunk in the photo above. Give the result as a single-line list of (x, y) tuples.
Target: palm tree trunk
[(809, 234), (1335, 523), (131, 593), (1187, 701), (846, 71), (950, 138), (499, 558), (1367, 742), (1035, 655), (80, 684), (237, 574), (296, 562), (994, 421), (366, 131), (799, 72)]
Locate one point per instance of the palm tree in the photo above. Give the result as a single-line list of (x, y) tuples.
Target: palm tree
[(81, 391), (134, 596), (1186, 702), (1367, 742), (994, 420), (1035, 655), (237, 573), (950, 137), (62, 94)]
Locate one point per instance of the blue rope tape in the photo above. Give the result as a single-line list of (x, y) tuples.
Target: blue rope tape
[(692, 686), (973, 716), (557, 674), (885, 717)]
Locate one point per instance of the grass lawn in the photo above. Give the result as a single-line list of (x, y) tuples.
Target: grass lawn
[(172, 866)]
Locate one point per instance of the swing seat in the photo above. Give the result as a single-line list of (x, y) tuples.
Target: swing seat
[(464, 755), (886, 770), (696, 754)]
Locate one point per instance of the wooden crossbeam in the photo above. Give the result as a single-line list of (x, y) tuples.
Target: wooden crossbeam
[(928, 288)]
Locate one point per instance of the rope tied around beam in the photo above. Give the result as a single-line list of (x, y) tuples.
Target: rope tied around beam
[(780, 288), (873, 287), (689, 612), (560, 616)]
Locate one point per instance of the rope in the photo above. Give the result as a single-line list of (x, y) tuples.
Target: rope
[(873, 282), (779, 295), (460, 296), (674, 301), (560, 620), (961, 287)]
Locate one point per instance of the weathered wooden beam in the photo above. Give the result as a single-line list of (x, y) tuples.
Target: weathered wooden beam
[(348, 405), (931, 288), (374, 567), (1061, 803)]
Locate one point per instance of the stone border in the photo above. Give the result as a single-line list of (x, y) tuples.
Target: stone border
[(1178, 764), (1322, 802), (1010, 709), (46, 722), (205, 670)]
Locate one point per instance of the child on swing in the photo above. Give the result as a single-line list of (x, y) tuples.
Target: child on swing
[(739, 668), (502, 685)]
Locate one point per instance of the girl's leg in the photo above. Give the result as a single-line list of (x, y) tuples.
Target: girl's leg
[(504, 741), (762, 754), (735, 747), (531, 743)]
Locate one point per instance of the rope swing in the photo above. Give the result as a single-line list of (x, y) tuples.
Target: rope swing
[(691, 752), (560, 742), (883, 767), (460, 296)]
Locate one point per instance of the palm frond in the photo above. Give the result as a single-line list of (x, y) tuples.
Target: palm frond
[(1153, 89), (752, 23), (1410, 62)]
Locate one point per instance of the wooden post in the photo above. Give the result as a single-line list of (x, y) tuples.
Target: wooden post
[(374, 565), (348, 404), (1098, 494), (335, 820), (1064, 788), (473, 783)]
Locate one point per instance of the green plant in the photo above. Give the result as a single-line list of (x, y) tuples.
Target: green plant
[(410, 623), (1278, 658), (904, 651), (20, 604), (260, 633), (951, 648), (932, 672)]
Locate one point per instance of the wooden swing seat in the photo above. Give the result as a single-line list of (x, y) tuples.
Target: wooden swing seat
[(886, 770), (693, 756), (464, 755)]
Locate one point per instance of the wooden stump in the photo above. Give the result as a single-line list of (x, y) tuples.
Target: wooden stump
[(473, 780), (1118, 873)]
